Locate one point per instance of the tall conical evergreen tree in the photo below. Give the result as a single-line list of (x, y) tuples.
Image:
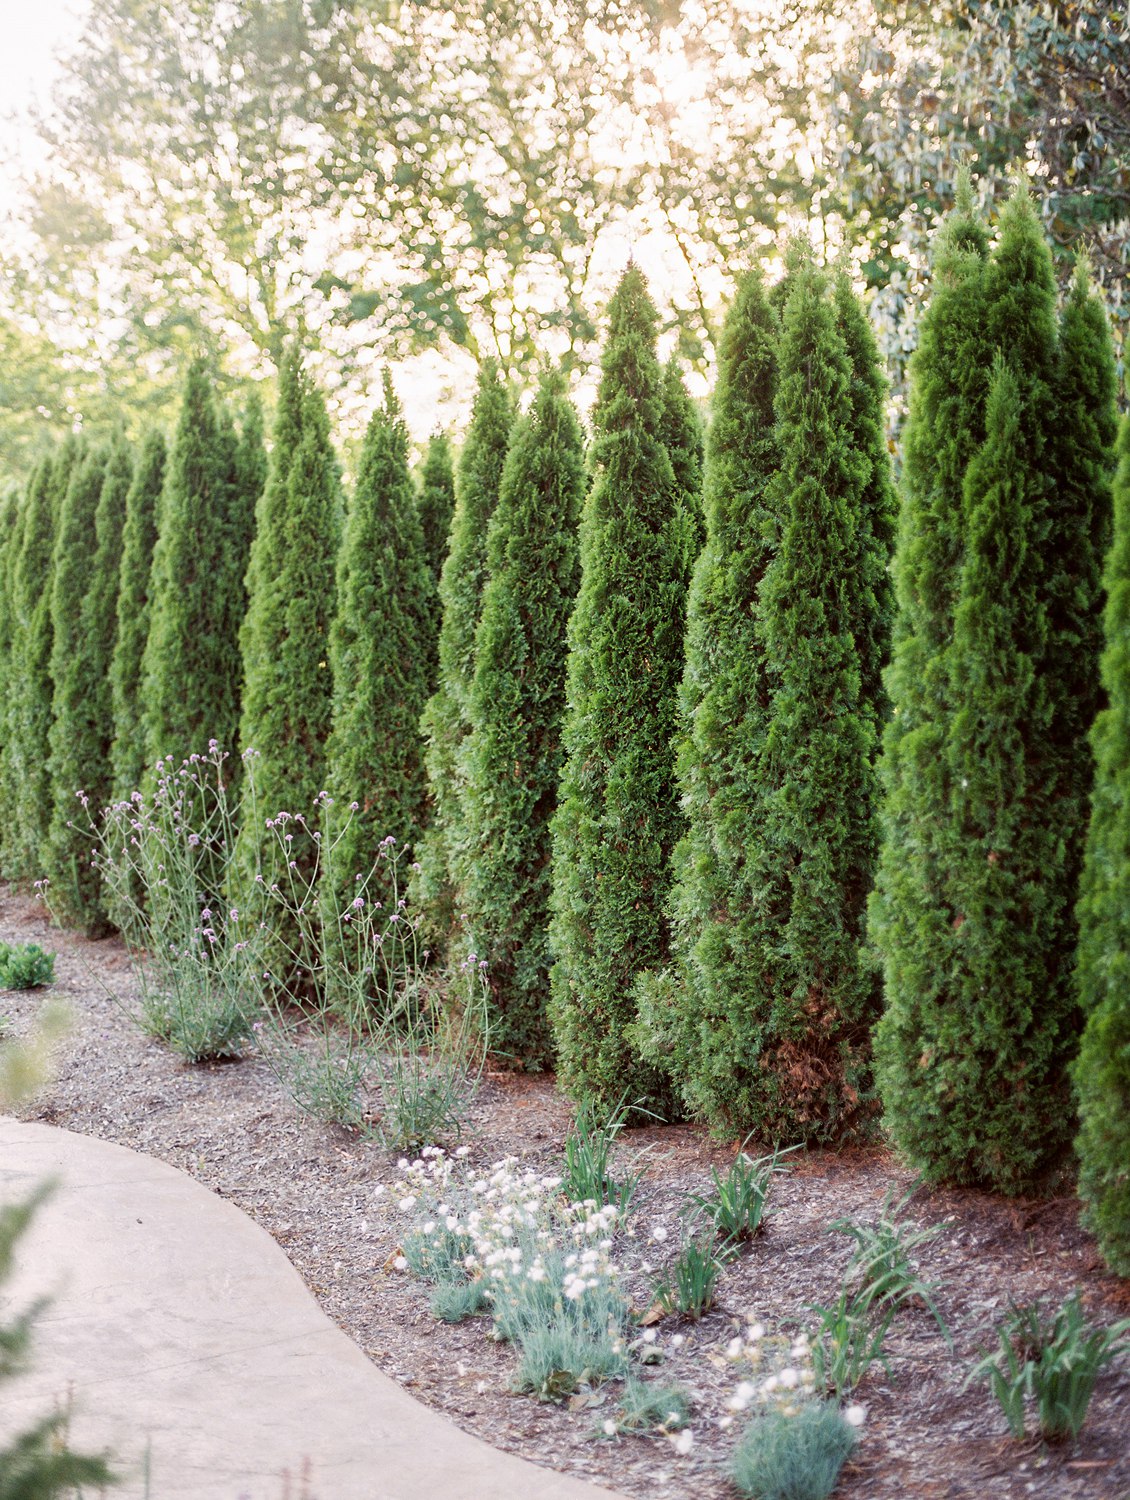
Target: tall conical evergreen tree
[(517, 705), (873, 591), (446, 719), (1102, 1070), (31, 706), (251, 465), (1081, 462), (192, 668), (618, 816), (288, 681), (819, 999), (380, 672), (139, 536), (702, 1028), (437, 501), (88, 556), (973, 913), (683, 439), (11, 517)]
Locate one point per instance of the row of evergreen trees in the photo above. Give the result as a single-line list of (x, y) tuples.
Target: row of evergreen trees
[(637, 733)]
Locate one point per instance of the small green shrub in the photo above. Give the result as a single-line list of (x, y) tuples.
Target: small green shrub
[(688, 1287), (737, 1206), (322, 1067), (793, 1457), (25, 966), (588, 1149), (1053, 1361)]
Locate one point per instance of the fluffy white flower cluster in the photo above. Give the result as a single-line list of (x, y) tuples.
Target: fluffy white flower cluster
[(778, 1371), (515, 1224)]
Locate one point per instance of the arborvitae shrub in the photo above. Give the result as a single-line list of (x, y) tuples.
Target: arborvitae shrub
[(288, 681), (1102, 1070), (32, 685), (818, 998), (192, 668), (380, 672), (11, 507), (973, 913), (88, 557), (872, 594), (618, 815), (698, 1020), (517, 706), (683, 439), (139, 535), (446, 720), (436, 501)]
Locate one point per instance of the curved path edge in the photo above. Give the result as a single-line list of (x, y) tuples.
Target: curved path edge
[(179, 1330)]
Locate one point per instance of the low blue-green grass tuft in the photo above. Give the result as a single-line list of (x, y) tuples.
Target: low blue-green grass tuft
[(454, 1301), (795, 1456)]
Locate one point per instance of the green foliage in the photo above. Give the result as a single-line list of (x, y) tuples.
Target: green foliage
[(288, 682), (849, 1339), (191, 667), (11, 516), (698, 1021), (84, 624), (139, 536), (588, 1151), (516, 706), (985, 777), (1102, 1071), (436, 501), (30, 705), (687, 1287), (453, 1301), (682, 437), (446, 722), (380, 669), (25, 966), (793, 1457), (569, 1347), (37, 1463), (648, 1406), (818, 997), (738, 1205), (881, 1270), (618, 815), (1053, 1361)]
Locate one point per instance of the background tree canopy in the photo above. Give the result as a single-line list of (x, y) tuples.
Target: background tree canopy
[(381, 178)]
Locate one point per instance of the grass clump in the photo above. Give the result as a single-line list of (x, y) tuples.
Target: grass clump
[(25, 966), (738, 1204), (1051, 1360), (649, 1406), (453, 1301), (588, 1151), (688, 1287), (793, 1457)]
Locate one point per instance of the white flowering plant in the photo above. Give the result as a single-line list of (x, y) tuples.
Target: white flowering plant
[(543, 1264)]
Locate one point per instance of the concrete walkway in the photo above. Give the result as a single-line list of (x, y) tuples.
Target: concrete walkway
[(180, 1327)]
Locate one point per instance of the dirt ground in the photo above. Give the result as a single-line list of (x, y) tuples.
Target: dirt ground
[(314, 1189)]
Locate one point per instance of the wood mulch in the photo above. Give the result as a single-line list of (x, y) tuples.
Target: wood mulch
[(314, 1189)]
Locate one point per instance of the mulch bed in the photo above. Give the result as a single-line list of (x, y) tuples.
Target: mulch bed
[(313, 1188)]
